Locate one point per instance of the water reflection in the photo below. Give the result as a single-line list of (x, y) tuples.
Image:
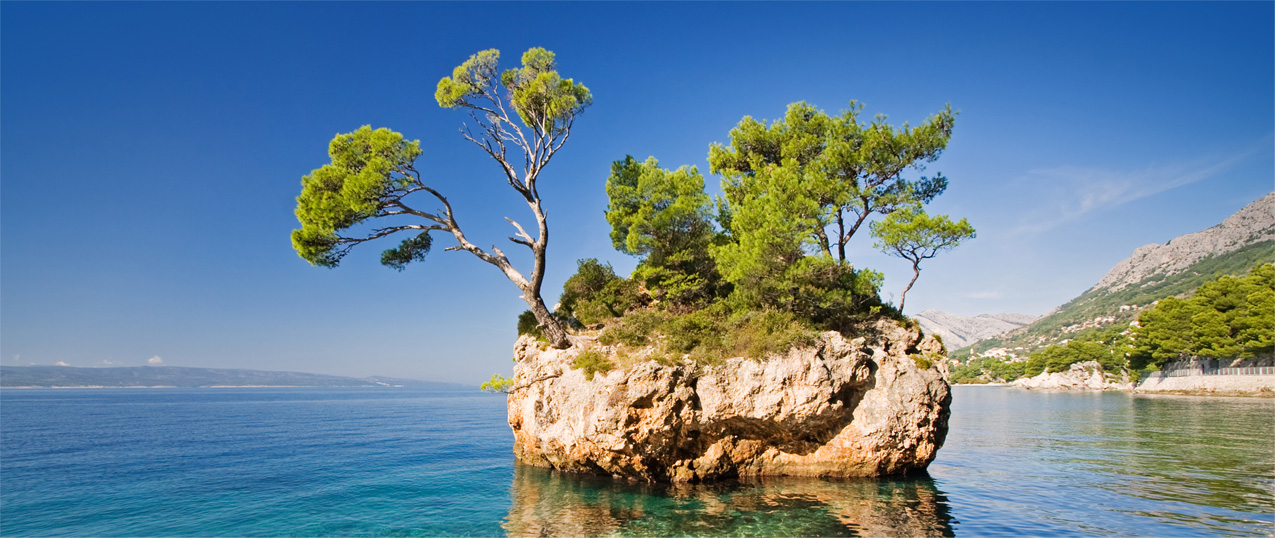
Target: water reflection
[(548, 503)]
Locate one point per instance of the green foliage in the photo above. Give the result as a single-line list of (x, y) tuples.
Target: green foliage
[(664, 217), (590, 279), (527, 324), (1109, 347), (926, 360), (988, 369), (410, 250), (498, 383), (617, 297), (805, 183), (595, 294), (713, 334), (913, 235), (369, 171), (811, 177), (1060, 358), (592, 362), (757, 334), (542, 98), (1226, 318), (634, 329)]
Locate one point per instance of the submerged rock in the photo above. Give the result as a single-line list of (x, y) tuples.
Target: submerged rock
[(840, 408)]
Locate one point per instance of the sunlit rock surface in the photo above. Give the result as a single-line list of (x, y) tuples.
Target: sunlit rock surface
[(1088, 375), (842, 408)]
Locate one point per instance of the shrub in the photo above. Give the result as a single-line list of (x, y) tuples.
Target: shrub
[(498, 383), (590, 279), (634, 329), (614, 299), (757, 334), (528, 324), (924, 361), (592, 362), (689, 332)]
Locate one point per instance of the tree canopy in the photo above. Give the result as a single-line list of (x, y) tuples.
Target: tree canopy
[(665, 218), (830, 172), (1231, 317), (373, 172)]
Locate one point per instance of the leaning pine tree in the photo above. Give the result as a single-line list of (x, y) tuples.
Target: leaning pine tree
[(914, 236), (373, 173)]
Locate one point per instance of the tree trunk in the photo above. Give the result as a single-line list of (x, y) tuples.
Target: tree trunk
[(916, 269), (552, 328), (841, 238)]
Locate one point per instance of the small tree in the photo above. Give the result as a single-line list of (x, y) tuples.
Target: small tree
[(373, 172), (914, 236)]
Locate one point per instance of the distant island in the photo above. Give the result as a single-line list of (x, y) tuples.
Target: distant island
[(182, 377)]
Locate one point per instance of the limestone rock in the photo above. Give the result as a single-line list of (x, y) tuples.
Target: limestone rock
[(1087, 375), (1254, 223), (841, 408)]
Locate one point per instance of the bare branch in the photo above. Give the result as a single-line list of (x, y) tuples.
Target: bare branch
[(511, 176), (521, 232)]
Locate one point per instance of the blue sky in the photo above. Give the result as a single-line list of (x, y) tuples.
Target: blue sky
[(151, 153)]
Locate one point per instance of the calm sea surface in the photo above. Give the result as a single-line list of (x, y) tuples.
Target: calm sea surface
[(397, 462)]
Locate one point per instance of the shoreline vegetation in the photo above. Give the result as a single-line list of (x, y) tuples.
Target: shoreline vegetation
[(1228, 322)]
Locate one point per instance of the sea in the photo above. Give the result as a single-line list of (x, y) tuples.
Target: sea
[(408, 462)]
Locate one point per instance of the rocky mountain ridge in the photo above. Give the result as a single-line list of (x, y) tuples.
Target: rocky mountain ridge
[(1252, 224), (960, 331)]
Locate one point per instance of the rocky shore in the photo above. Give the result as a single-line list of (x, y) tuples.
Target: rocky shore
[(1087, 375), (872, 405), (1091, 376)]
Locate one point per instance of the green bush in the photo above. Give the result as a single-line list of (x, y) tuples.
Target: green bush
[(528, 324), (592, 362), (756, 334), (613, 300), (590, 279), (634, 329)]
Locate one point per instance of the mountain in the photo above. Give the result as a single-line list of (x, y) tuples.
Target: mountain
[(960, 331), (1151, 273), (1252, 224), (175, 376)]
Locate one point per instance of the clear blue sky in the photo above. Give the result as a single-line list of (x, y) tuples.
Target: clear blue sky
[(150, 155)]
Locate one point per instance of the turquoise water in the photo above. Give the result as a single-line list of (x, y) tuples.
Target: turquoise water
[(395, 462)]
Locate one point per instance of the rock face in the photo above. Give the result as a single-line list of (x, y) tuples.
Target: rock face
[(960, 331), (1087, 375), (861, 407), (1254, 223)]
